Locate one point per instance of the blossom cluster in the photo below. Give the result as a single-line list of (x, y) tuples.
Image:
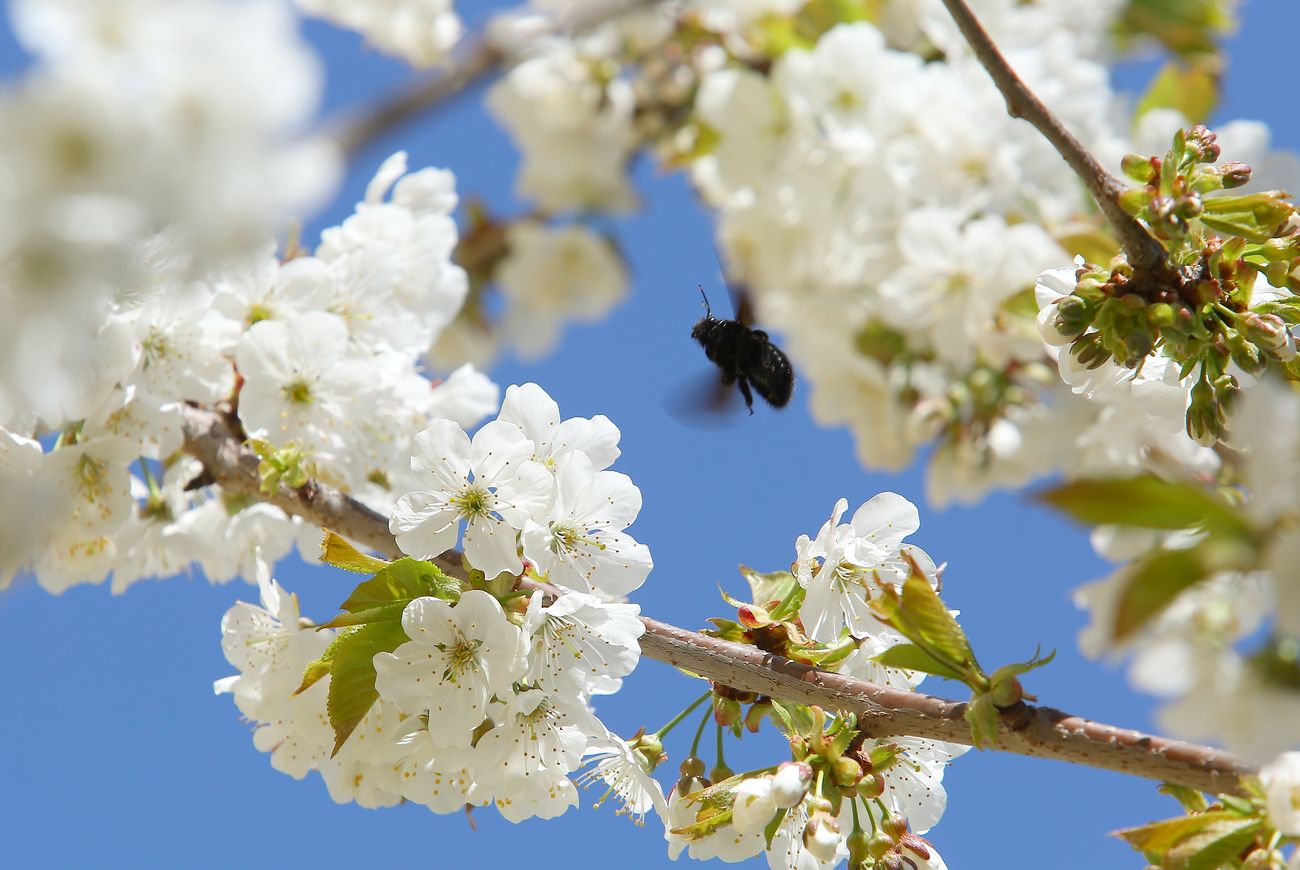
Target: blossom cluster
[(318, 359), (831, 793), (129, 165), (485, 702)]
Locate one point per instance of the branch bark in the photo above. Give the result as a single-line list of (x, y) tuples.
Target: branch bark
[(1040, 732), (479, 61), (1143, 250)]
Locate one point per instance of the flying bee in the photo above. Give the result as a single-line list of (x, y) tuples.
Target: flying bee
[(745, 356)]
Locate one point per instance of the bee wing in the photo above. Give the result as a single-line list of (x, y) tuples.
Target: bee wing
[(705, 402)]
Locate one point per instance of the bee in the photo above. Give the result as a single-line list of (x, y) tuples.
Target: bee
[(745, 357)]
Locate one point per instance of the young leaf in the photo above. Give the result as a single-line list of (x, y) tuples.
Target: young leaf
[(933, 627), (1147, 502), (340, 553), (403, 580), (352, 674), (767, 588), (982, 717), (1158, 578), (1191, 800), (1191, 89), (769, 833), (1006, 672), (1215, 845), (911, 657), (1157, 838)]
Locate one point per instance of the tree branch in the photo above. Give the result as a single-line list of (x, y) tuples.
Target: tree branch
[(1040, 732), (1143, 250), (479, 61)]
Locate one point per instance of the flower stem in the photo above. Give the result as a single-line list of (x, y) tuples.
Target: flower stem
[(722, 760), (699, 732), (676, 720)]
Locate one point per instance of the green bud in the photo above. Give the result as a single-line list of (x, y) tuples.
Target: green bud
[(894, 826), (1161, 314), (725, 711), (1205, 418), (871, 785), (1072, 317), (846, 771), (1134, 200), (858, 852), (1276, 272), (1007, 693), (720, 772), (1137, 344), (1140, 169), (880, 843), (1246, 355)]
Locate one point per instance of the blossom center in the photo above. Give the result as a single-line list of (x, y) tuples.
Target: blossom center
[(297, 392), (473, 501)]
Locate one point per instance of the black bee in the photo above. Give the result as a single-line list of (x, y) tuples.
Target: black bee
[(746, 356)]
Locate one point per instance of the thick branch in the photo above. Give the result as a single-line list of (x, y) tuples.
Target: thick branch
[(1026, 730), (479, 61), (1143, 250)]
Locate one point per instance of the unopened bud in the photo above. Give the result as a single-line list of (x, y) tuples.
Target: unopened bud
[(1203, 144), (846, 771), (790, 783), (1007, 693), (1205, 418), (720, 772), (859, 852), (895, 826), (872, 785), (821, 837), (755, 715), (1189, 207), (1246, 355), (692, 767), (1161, 314), (1140, 169), (1234, 174), (880, 843), (725, 711), (1134, 199), (1266, 330)]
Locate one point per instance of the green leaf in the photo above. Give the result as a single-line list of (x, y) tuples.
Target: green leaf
[(935, 628), (380, 613), (767, 588), (783, 717), (340, 553), (352, 674), (1017, 668), (982, 717), (403, 580), (911, 657), (1154, 581), (1214, 846), (1157, 838), (1191, 89), (1147, 502), (1192, 800)]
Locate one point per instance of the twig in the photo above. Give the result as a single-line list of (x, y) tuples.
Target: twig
[(1143, 250), (1026, 730), (479, 61)]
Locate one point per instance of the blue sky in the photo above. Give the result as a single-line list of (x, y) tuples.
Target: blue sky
[(114, 752)]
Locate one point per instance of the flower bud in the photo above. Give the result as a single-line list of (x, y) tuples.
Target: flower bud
[(1134, 199), (755, 715), (872, 785), (1266, 330), (894, 826), (692, 767), (880, 843), (1205, 418), (1235, 174), (1140, 169), (859, 854), (845, 771), (1189, 207), (1203, 144), (821, 837), (790, 783), (1246, 355), (725, 711), (1007, 693), (752, 808), (719, 772)]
